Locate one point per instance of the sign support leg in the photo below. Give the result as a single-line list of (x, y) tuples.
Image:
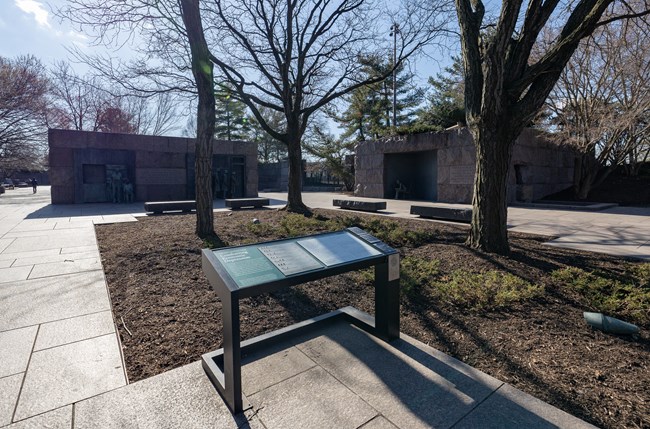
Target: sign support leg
[(386, 302), (232, 352)]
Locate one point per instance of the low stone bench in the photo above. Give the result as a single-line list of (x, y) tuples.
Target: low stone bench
[(443, 213), (366, 206), (169, 206), (238, 203)]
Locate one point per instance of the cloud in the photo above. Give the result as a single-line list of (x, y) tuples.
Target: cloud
[(35, 8)]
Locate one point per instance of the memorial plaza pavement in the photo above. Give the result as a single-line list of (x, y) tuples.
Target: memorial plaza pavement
[(61, 364)]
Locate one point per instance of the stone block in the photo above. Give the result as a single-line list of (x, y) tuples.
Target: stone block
[(148, 159), (67, 139), (222, 147), (443, 213), (461, 174), (62, 195), (374, 190), (167, 206), (61, 157), (160, 176), (455, 193), (454, 156), (61, 176), (369, 206), (164, 193)]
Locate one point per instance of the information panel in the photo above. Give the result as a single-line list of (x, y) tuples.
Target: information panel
[(290, 258), (248, 266), (267, 262), (338, 248)]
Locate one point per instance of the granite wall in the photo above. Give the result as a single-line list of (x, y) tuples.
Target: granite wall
[(539, 167), (157, 166)]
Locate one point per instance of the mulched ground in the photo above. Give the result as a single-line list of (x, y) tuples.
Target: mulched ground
[(169, 316)]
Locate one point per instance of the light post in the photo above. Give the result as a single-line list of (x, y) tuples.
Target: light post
[(394, 29)]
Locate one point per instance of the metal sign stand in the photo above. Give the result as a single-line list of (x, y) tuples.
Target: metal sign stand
[(246, 271)]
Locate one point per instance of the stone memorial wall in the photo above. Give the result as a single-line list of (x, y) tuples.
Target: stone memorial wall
[(539, 167), (82, 165)]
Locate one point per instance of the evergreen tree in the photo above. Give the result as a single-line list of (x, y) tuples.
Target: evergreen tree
[(232, 122), (369, 109), (446, 102)]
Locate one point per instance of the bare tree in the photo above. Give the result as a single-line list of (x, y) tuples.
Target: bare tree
[(23, 87), (295, 57), (505, 88), (601, 103), (174, 58)]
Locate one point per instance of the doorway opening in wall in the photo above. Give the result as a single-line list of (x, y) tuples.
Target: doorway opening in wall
[(411, 175)]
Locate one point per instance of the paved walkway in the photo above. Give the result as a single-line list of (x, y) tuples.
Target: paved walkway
[(61, 365), (58, 343), (620, 231)]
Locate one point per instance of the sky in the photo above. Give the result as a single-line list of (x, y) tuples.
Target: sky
[(29, 27)]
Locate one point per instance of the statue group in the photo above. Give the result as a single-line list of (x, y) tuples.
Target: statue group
[(119, 189)]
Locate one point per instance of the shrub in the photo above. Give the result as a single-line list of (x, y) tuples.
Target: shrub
[(485, 291), (627, 297)]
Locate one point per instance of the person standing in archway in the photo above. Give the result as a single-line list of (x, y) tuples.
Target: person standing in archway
[(34, 184)]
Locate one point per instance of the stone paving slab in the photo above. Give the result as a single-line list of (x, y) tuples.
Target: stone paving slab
[(378, 422), (5, 242), (67, 331), (273, 368), (48, 299), (26, 226), (15, 348), (9, 390), (30, 254), (510, 408), (61, 418), (14, 274), (69, 266), (6, 263), (312, 399), (76, 249), (54, 257), (181, 398), (436, 392), (67, 374), (69, 239)]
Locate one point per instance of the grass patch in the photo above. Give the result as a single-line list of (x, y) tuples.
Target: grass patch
[(627, 297), (416, 272), (489, 290)]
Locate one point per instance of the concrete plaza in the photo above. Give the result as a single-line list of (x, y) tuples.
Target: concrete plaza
[(61, 363)]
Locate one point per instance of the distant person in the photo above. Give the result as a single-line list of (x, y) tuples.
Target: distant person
[(34, 184)]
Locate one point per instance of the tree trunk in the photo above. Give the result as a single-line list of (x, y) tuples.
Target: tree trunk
[(205, 120), (294, 199), (488, 230)]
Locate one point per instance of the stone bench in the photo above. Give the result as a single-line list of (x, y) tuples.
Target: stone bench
[(366, 206), (443, 213), (169, 206), (238, 203)]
